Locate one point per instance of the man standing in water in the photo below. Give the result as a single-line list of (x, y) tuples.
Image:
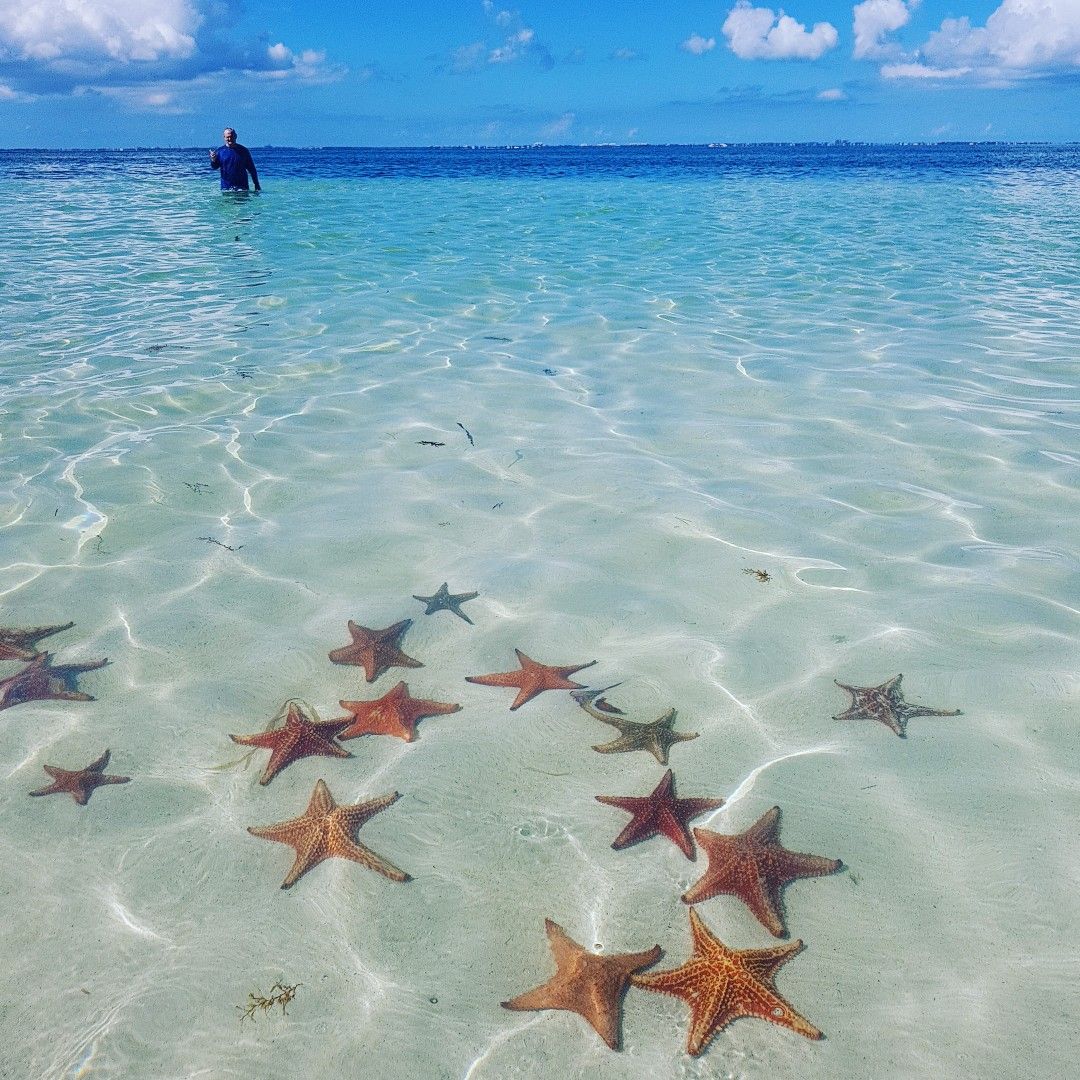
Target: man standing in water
[(235, 163)]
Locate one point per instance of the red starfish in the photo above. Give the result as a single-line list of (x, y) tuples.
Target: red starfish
[(395, 713), (660, 812), (375, 650), (300, 737), (532, 679), (754, 867), (721, 984), (80, 783), (325, 830), (41, 681)]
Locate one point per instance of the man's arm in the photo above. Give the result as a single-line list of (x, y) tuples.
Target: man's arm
[(251, 169), (214, 162)]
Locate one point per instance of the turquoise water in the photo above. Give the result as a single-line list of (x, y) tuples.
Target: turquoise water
[(857, 375)]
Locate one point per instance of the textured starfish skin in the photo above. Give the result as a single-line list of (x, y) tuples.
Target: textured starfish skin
[(754, 867), (375, 650), (657, 738), (659, 812), (16, 644), (586, 983), (886, 704), (80, 783), (300, 737), (395, 713), (41, 681), (721, 984), (533, 678), (444, 600), (325, 830)]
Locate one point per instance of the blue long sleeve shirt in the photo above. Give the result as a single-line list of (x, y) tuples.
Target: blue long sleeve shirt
[(235, 163)]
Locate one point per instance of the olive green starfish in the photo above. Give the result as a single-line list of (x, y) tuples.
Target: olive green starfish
[(657, 737), (444, 600)]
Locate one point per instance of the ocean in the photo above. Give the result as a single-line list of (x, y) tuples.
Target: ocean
[(737, 423)]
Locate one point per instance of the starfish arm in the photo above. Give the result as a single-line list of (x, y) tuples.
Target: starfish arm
[(51, 789), (503, 678), (350, 849), (674, 827), (766, 830), (114, 780), (308, 855), (355, 815), (75, 669), (764, 963), (264, 739)]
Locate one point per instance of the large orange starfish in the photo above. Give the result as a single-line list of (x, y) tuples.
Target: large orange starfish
[(395, 713), (886, 704), (375, 650), (80, 783), (325, 830), (586, 983), (754, 867), (14, 643), (533, 678), (299, 737), (659, 812), (721, 984), (40, 680)]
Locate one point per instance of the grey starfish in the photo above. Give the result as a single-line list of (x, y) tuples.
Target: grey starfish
[(15, 644), (444, 600), (886, 704), (80, 783), (657, 737), (41, 680)]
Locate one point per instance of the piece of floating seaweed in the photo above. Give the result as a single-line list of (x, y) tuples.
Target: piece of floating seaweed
[(429, 442), (280, 994), (199, 488), (276, 721), (213, 540), (468, 434), (761, 575)]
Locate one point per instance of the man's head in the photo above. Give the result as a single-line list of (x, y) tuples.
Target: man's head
[(229, 135)]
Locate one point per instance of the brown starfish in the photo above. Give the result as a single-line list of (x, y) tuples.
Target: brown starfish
[(40, 680), (660, 812), (886, 704), (586, 983), (395, 713), (80, 783), (656, 737), (721, 984), (533, 678), (375, 650), (754, 867), (299, 737), (325, 830), (444, 600), (14, 644)]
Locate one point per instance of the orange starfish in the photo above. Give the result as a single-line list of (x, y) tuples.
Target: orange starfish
[(754, 867), (325, 830), (586, 983), (533, 678), (721, 984), (41, 681), (395, 713), (375, 650), (300, 737), (14, 643), (80, 783)]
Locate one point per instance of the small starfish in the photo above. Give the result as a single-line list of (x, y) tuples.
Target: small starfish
[(395, 713), (13, 643), (375, 650), (41, 681), (660, 812), (657, 737), (886, 704), (586, 983), (721, 984), (533, 678), (80, 783), (754, 867), (325, 830), (444, 600), (300, 737)]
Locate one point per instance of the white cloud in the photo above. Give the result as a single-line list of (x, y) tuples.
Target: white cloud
[(558, 127), (698, 45), (624, 54), (308, 65), (833, 94), (874, 19), (8, 94), (762, 34), (921, 71)]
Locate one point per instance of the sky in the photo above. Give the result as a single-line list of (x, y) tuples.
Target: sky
[(114, 73)]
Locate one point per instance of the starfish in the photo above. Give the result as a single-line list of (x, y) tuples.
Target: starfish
[(533, 678), (13, 643), (445, 600), (395, 713), (885, 703), (721, 984), (660, 812), (375, 650), (586, 983), (657, 737), (754, 867), (325, 830), (80, 783), (593, 702), (300, 737), (41, 681)]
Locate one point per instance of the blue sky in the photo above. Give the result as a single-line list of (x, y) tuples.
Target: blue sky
[(89, 73)]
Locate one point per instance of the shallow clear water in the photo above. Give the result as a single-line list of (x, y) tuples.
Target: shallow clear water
[(854, 369)]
